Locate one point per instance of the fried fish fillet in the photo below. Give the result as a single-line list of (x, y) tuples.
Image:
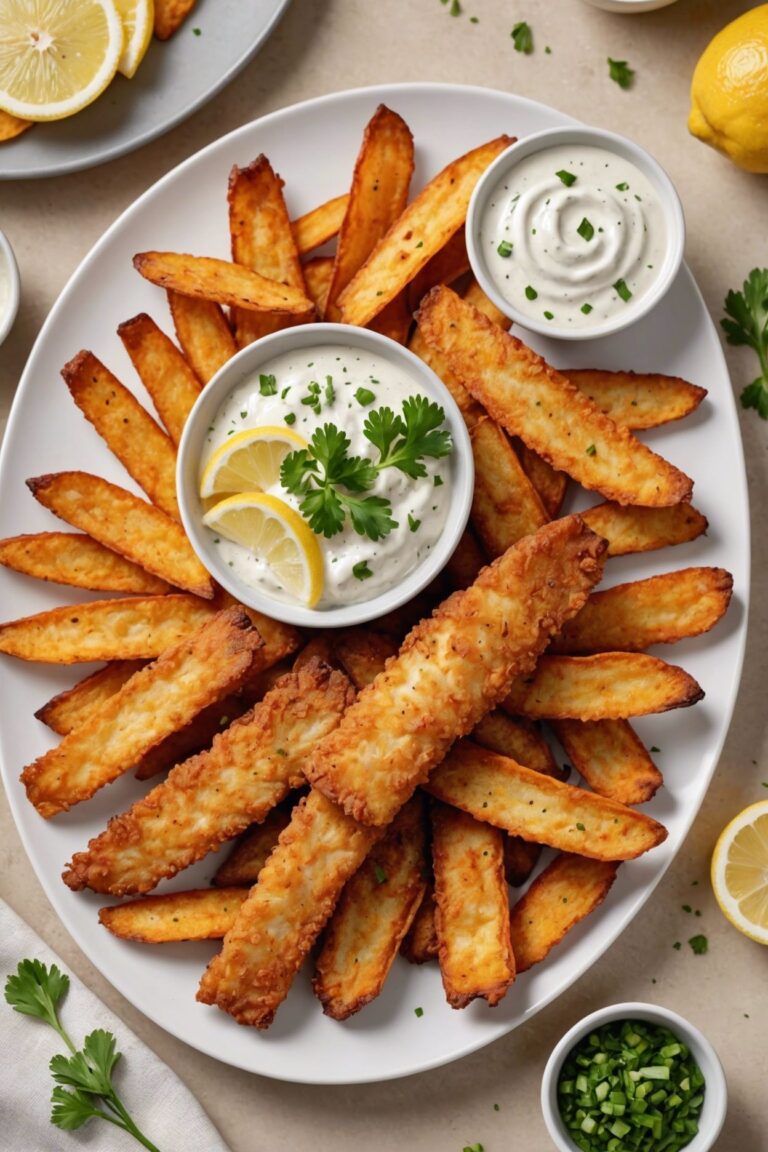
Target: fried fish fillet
[(453, 668), (215, 796)]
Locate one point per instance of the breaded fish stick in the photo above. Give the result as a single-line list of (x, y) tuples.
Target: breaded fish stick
[(453, 668), (213, 797)]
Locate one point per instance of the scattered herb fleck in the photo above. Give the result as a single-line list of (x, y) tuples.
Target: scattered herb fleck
[(523, 37), (568, 178), (699, 944), (620, 72), (361, 571)]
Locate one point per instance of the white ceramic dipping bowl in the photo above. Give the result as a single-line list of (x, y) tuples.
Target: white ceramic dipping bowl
[(715, 1091), (10, 287), (596, 138), (191, 450), (630, 7)]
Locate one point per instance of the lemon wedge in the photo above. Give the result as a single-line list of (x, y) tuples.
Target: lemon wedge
[(249, 461), (272, 530), (138, 17), (740, 871), (57, 56)]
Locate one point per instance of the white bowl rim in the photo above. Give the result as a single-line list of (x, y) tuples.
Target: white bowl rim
[(716, 1094), (611, 141), (14, 287), (210, 400)]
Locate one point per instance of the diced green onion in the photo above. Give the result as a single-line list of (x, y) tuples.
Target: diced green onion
[(504, 248)]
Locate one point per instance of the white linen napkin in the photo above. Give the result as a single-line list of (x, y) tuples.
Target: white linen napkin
[(160, 1105)]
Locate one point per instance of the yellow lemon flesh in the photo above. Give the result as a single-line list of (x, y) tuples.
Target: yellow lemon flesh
[(272, 530), (138, 17), (249, 461), (740, 871), (729, 93), (56, 56)]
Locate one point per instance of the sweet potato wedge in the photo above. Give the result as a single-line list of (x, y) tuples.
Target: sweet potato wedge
[(202, 330), (164, 371), (76, 560), (637, 399), (71, 708), (220, 281), (197, 915), (611, 757), (170, 15), (244, 863), (505, 505), (320, 225), (129, 526), (630, 530)]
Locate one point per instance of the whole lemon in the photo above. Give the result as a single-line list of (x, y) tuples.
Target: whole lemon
[(729, 93)]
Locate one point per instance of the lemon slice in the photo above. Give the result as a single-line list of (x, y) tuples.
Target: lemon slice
[(56, 56), (249, 461), (138, 17), (271, 529), (740, 871)]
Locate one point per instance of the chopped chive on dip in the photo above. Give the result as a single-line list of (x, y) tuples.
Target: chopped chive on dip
[(504, 248), (568, 178), (630, 1086), (623, 291)]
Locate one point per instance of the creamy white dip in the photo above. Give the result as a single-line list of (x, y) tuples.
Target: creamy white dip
[(419, 506), (574, 235)]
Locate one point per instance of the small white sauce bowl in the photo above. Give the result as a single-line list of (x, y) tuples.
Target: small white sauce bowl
[(245, 364), (619, 146), (9, 272), (630, 7), (715, 1089)]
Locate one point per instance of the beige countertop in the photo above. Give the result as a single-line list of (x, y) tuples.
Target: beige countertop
[(324, 47)]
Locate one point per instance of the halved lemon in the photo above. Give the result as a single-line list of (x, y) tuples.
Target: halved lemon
[(249, 461), (56, 56), (271, 529), (138, 17), (740, 871)]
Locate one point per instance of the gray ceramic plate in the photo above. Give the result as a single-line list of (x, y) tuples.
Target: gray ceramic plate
[(174, 80)]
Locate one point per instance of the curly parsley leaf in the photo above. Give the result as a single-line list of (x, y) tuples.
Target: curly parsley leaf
[(371, 517), (420, 436), (322, 508), (382, 427), (746, 323)]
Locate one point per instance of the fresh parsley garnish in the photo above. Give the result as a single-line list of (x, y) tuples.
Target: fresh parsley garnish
[(290, 417), (586, 229), (591, 450), (267, 385), (699, 944), (747, 323), (84, 1078), (586, 309), (523, 37), (418, 1012), (413, 523), (620, 72), (623, 187), (530, 293), (361, 571), (380, 874)]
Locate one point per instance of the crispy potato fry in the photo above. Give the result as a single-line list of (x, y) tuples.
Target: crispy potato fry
[(377, 197), (317, 276), (423, 229), (637, 399), (320, 647), (475, 296), (12, 126), (505, 505), (533, 401), (71, 708), (452, 669), (497, 790), (519, 740), (174, 916), (520, 859), (141, 446), (249, 855), (137, 628), (129, 526), (659, 610), (630, 530), (395, 320), (464, 567), (476, 957), (317, 227), (448, 264), (550, 484), (216, 795), (164, 371), (192, 738), (611, 757), (363, 654), (374, 913), (420, 943), (156, 701), (263, 241), (202, 330), (170, 15), (221, 281), (470, 409), (79, 561), (566, 891), (609, 686), (285, 912)]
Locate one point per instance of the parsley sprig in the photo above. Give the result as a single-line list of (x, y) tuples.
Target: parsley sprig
[(331, 483), (747, 323), (84, 1087)]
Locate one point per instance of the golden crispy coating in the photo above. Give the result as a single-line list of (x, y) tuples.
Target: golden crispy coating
[(609, 686), (505, 504), (472, 908), (170, 15), (495, 789), (550, 484), (474, 295), (611, 757), (244, 863), (216, 795), (192, 738), (637, 399), (519, 740), (363, 654), (164, 371), (630, 530), (660, 610), (156, 701), (69, 558), (139, 443), (203, 333), (447, 265), (373, 915), (220, 282), (317, 227), (197, 915), (420, 943), (317, 276), (566, 891), (533, 401), (297, 891), (453, 668), (70, 708), (121, 521)]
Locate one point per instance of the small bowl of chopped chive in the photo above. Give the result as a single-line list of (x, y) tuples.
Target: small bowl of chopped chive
[(634, 1078)]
